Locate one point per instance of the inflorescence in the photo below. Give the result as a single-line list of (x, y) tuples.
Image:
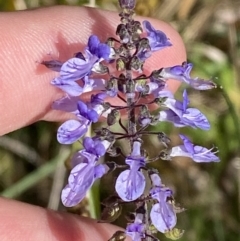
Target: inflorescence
[(136, 42)]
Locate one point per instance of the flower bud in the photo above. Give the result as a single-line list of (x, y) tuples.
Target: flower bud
[(120, 64), (111, 213), (113, 117), (118, 236), (160, 101), (128, 4), (122, 32), (174, 234), (130, 86), (136, 64), (164, 155), (54, 65), (114, 151), (164, 139)]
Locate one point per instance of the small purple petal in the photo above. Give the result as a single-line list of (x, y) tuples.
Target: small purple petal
[(187, 144), (82, 157), (129, 185), (94, 146), (88, 143), (93, 43), (98, 98), (70, 131), (163, 217), (70, 87), (93, 116), (197, 153), (170, 116), (103, 51), (82, 107), (203, 154), (156, 180), (88, 113), (157, 39), (182, 73), (98, 49), (67, 103), (136, 231), (185, 101), (200, 84), (194, 118), (80, 180), (75, 69), (100, 170)]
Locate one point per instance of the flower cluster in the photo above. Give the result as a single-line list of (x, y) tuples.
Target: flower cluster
[(136, 43)]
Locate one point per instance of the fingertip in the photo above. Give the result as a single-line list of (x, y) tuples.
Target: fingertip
[(24, 222)]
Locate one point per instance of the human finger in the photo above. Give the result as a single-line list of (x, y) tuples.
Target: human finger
[(24, 222)]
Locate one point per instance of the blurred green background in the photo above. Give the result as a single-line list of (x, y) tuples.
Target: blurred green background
[(32, 169)]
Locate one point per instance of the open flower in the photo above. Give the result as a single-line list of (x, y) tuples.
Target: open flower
[(92, 109), (157, 39), (182, 73), (197, 153), (79, 67), (72, 130), (95, 47), (162, 213), (95, 146), (81, 179), (131, 183), (181, 116)]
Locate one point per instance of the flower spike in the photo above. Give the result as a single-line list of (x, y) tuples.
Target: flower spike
[(115, 72)]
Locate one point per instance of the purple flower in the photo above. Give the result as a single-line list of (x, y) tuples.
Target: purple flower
[(197, 153), (157, 39), (181, 116), (77, 68), (72, 130), (74, 89), (130, 184), (93, 109), (95, 146), (87, 112), (81, 179), (98, 99), (102, 51), (136, 230), (182, 73), (162, 213)]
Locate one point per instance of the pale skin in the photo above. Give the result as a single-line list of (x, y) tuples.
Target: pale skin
[(26, 95)]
